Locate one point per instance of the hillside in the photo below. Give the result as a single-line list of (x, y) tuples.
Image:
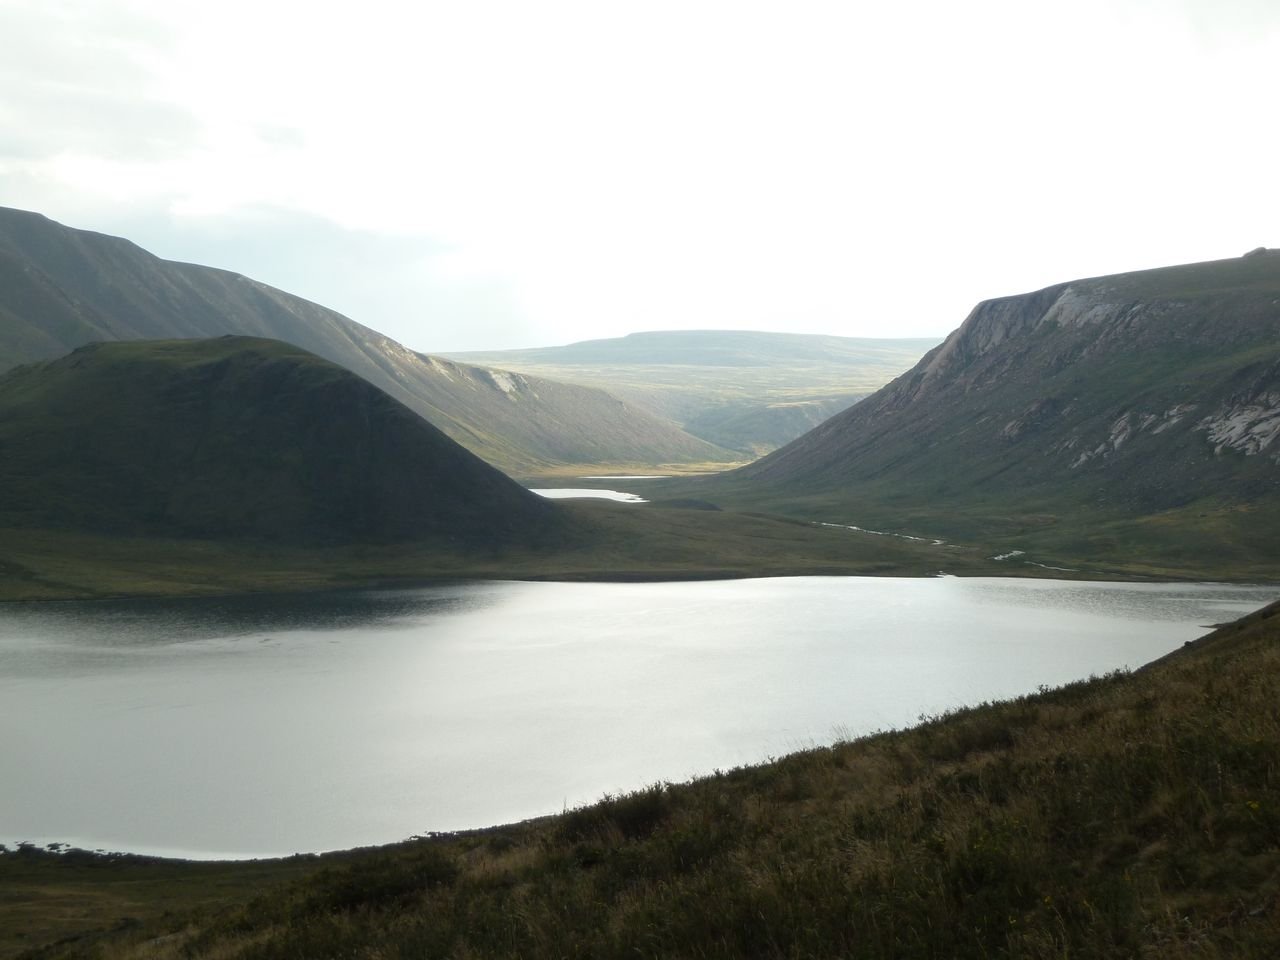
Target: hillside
[(62, 288), (1128, 420), (720, 348), (1133, 815), (237, 465), (746, 390), (239, 438)]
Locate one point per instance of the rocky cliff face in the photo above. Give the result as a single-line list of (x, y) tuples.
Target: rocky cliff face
[(1149, 389), (62, 288)]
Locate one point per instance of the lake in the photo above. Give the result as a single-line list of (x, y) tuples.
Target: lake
[(587, 493), (270, 725)]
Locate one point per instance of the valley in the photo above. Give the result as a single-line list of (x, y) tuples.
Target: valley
[(686, 405), (746, 391), (62, 288), (185, 479), (613, 481)]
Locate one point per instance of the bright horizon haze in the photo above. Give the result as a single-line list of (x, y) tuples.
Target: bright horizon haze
[(498, 175)]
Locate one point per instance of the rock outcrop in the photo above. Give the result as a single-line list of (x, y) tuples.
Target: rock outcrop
[(1142, 391)]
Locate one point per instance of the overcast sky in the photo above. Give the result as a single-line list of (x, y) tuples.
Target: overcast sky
[(480, 175)]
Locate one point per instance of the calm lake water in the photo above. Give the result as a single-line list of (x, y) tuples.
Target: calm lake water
[(587, 493), (271, 725)]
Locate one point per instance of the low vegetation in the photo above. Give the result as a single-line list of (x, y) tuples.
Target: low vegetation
[(1134, 815), (595, 541), (1212, 538)]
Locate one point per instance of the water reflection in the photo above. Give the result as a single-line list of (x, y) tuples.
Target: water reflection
[(194, 618), (275, 724)]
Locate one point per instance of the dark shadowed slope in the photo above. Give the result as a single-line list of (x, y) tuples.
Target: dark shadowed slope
[(61, 288), (1132, 412), (239, 438)]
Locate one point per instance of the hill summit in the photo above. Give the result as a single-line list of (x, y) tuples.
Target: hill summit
[(239, 437)]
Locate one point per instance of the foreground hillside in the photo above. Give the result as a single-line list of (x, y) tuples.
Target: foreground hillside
[(1136, 815), (62, 288), (240, 438), (745, 390), (1127, 420)]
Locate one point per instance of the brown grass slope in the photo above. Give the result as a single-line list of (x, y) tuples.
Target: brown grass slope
[(1136, 815), (61, 288)]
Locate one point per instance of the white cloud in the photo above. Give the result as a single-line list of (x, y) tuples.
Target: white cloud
[(590, 168)]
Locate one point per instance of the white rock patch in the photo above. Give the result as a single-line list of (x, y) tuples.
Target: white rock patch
[(1127, 425), (503, 381), (1248, 427), (439, 368), (1173, 415)]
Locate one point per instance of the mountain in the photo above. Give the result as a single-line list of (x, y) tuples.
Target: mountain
[(61, 288), (1101, 418), (719, 348), (236, 464), (745, 390), (239, 438)]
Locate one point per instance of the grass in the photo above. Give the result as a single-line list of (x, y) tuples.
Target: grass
[(236, 437), (1133, 815), (1207, 539), (1083, 442), (46, 898), (605, 541), (597, 541)]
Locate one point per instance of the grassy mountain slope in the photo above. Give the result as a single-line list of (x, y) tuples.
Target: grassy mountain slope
[(745, 390), (239, 464), (1136, 815), (1128, 419), (238, 438), (61, 288)]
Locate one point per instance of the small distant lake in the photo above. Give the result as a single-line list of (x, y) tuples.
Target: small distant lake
[(587, 493), (272, 725)]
